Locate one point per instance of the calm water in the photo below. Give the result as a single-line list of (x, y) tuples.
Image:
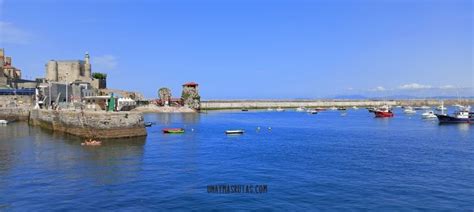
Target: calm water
[(324, 161)]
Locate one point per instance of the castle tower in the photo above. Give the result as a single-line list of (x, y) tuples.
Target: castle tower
[(2, 57), (87, 66), (190, 95), (52, 71)]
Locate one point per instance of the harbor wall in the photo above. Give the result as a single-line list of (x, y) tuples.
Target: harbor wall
[(260, 104), (95, 124), (14, 114)]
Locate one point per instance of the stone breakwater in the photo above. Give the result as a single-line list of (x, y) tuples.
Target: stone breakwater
[(14, 114), (294, 103), (151, 108), (261, 104), (90, 123)]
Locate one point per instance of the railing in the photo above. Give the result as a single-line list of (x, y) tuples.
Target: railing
[(23, 91)]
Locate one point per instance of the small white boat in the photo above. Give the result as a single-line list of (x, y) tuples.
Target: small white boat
[(269, 109), (428, 115), (300, 109), (234, 132), (313, 111), (424, 107), (3, 122), (280, 109), (355, 108), (409, 110), (333, 108), (441, 108)]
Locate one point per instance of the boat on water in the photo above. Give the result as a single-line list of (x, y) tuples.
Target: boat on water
[(424, 107), (91, 142), (245, 109), (148, 124), (313, 111), (234, 132), (460, 116), (428, 115), (280, 109), (409, 110), (417, 108), (441, 108), (173, 130), (3, 122), (333, 108), (341, 108), (300, 109), (355, 107), (269, 109), (319, 109), (371, 109), (383, 112)]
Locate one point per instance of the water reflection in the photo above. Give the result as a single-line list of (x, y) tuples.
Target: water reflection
[(174, 118), (35, 149)]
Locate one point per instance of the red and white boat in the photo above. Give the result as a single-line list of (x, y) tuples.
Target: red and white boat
[(383, 112)]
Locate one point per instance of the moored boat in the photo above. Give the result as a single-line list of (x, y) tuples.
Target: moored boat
[(234, 132), (409, 110), (313, 111), (383, 112), (148, 124), (280, 109), (428, 115), (3, 122), (371, 109), (460, 116), (300, 109), (173, 130)]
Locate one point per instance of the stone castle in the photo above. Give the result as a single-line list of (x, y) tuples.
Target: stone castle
[(8, 73), (70, 71)]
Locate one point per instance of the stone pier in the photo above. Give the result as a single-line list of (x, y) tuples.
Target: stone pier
[(90, 123)]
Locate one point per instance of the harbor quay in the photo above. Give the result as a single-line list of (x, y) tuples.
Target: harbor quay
[(90, 124)]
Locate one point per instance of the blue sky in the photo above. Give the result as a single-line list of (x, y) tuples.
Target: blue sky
[(252, 48)]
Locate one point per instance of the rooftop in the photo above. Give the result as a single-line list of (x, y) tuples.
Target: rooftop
[(190, 84)]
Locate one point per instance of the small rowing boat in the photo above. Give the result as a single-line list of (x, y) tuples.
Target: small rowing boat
[(234, 132), (91, 142), (148, 124), (173, 130)]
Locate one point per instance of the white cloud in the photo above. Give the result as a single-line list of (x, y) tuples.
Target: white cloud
[(11, 34), (414, 86), (378, 88), (447, 87), (104, 62)]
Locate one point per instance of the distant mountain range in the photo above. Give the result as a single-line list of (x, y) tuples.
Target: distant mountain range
[(359, 97)]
